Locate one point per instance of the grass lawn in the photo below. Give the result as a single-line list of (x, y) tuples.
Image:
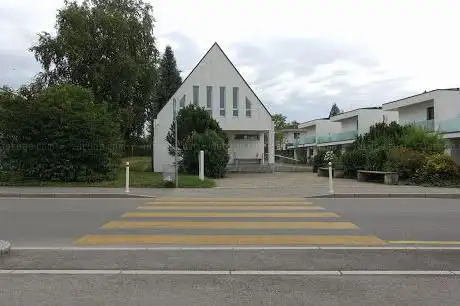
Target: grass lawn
[(139, 176)]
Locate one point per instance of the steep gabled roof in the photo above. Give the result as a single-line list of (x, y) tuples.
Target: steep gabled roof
[(236, 70)]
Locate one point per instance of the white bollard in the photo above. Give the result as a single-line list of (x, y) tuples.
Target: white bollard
[(331, 189), (127, 177), (201, 163)]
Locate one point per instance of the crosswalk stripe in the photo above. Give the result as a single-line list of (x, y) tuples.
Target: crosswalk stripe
[(236, 207), (230, 214), (227, 225), (223, 199), (231, 239), (227, 203)]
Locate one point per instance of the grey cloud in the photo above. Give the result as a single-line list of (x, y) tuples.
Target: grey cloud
[(188, 54), (300, 57), (17, 68)]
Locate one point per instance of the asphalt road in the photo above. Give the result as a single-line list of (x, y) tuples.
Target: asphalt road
[(38, 272), (60, 222)]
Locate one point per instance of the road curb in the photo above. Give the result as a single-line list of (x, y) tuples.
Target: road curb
[(5, 247), (72, 195), (389, 195)]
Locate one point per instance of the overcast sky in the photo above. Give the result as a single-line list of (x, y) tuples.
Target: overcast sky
[(299, 56)]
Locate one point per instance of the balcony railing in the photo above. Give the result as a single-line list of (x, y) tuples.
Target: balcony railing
[(449, 126), (344, 136), (427, 125)]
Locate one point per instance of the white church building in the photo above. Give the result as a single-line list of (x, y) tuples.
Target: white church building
[(217, 85)]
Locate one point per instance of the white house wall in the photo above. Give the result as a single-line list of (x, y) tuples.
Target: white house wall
[(216, 71), (244, 148), (447, 105), (414, 112), (349, 124)]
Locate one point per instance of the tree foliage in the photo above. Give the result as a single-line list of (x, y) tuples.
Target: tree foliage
[(216, 155), (191, 119), (335, 110), (279, 121), (169, 79), (61, 135), (106, 46)]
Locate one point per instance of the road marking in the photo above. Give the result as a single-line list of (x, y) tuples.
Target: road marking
[(228, 272), (227, 225), (228, 248), (162, 214), (233, 207), (223, 199), (227, 203), (424, 242), (230, 239)]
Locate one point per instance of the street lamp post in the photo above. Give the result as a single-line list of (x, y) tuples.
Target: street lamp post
[(175, 142)]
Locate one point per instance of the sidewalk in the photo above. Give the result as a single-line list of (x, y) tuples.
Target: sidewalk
[(289, 185)]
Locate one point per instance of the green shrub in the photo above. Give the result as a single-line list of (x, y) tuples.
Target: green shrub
[(216, 155), (191, 119), (354, 160), (376, 158), (404, 161), (416, 138), (318, 160), (60, 135), (438, 169)]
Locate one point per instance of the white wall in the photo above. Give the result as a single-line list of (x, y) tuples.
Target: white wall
[(447, 105), (414, 112), (214, 70), (350, 124), (369, 117)]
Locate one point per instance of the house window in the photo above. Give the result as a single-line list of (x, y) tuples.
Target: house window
[(248, 107), (182, 102), (247, 137), (196, 95), (235, 101), (209, 100), (385, 119), (430, 113), (222, 101), (296, 135)]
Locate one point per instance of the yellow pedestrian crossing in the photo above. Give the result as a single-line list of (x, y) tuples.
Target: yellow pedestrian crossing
[(230, 239), (229, 207), (229, 221), (228, 225), (163, 214)]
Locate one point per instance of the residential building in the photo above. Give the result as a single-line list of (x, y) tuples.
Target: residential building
[(338, 131), (436, 111), (354, 123), (216, 85)]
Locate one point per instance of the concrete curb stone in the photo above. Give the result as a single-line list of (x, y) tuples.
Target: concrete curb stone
[(73, 195), (389, 195)]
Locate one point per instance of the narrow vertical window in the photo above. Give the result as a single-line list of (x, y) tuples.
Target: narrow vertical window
[(235, 101), (182, 102), (222, 101), (196, 95), (248, 107), (209, 100)]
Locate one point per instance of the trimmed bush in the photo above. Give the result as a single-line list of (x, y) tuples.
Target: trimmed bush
[(438, 169), (215, 154), (60, 135), (416, 138), (318, 160), (353, 161), (404, 161), (376, 158), (191, 119)]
